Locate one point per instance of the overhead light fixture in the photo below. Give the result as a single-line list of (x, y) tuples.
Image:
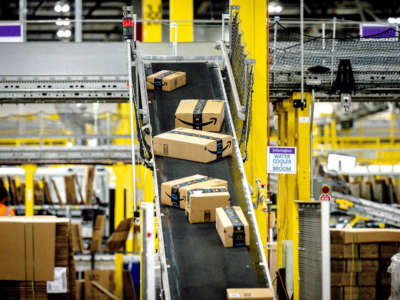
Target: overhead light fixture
[(274, 8), (61, 7), (61, 22), (393, 20), (64, 33)]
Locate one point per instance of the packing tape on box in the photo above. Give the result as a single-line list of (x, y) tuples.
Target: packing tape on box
[(158, 81), (238, 227), (175, 194), (198, 116), (33, 259), (220, 148)]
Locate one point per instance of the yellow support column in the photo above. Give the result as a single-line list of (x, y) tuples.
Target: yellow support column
[(253, 16), (120, 173), (152, 10), (29, 196), (181, 10)]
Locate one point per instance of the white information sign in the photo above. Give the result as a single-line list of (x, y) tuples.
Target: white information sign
[(281, 160)]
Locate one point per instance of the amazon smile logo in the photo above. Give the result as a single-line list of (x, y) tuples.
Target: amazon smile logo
[(228, 145), (212, 121)]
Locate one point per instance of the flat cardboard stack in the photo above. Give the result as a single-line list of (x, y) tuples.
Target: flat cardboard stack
[(32, 249), (97, 235), (166, 80), (207, 115), (104, 277), (381, 190), (232, 226), (118, 238), (201, 203), (194, 145), (173, 193), (77, 240), (359, 262)]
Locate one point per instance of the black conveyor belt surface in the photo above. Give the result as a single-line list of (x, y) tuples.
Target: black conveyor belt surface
[(200, 267)]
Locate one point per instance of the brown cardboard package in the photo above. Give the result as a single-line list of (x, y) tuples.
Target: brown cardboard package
[(97, 233), (344, 279), (359, 293), (194, 145), (80, 290), (250, 294), (207, 115), (202, 202), (27, 248), (166, 80), (118, 238), (77, 240), (351, 236), (365, 265), (103, 277), (173, 193), (232, 226)]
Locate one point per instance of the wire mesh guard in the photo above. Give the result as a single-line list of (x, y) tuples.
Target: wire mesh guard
[(310, 251), (375, 59), (243, 71)]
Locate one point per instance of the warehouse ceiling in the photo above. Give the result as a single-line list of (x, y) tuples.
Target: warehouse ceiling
[(203, 9)]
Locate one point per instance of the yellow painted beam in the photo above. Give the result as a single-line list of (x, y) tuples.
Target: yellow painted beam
[(152, 10), (253, 15), (120, 174), (181, 10), (129, 204), (29, 195)]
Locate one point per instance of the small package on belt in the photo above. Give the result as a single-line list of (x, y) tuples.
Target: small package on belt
[(250, 294), (166, 80), (173, 193), (232, 226), (207, 115), (202, 202), (194, 145)]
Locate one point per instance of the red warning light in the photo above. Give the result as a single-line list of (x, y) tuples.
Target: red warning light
[(325, 189)]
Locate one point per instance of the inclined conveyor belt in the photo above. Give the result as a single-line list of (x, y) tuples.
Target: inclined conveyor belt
[(199, 266)]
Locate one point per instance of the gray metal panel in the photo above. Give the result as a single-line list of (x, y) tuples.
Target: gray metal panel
[(52, 59)]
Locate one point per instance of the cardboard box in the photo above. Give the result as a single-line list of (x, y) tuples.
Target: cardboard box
[(118, 238), (23, 290), (207, 115), (77, 240), (80, 290), (351, 236), (173, 193), (27, 248), (343, 279), (389, 249), (336, 293), (202, 202), (232, 226), (367, 278), (365, 265), (97, 236), (194, 145), (345, 251), (103, 277), (166, 80), (369, 250), (253, 294), (359, 293), (338, 265)]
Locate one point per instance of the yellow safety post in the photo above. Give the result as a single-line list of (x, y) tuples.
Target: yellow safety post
[(293, 131), (120, 174), (29, 196), (152, 10), (253, 16), (181, 10)]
